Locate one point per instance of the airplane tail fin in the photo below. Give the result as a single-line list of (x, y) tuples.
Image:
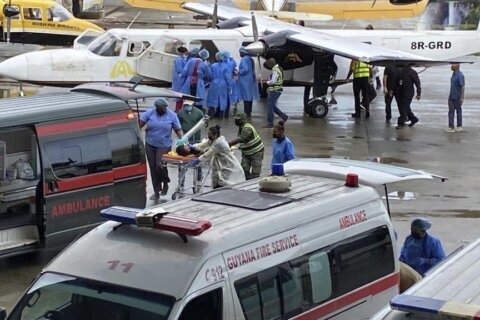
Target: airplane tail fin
[(451, 15)]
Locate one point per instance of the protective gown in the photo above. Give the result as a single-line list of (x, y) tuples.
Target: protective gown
[(422, 254), (226, 169), (232, 66), (203, 74), (177, 79), (247, 80), (220, 85)]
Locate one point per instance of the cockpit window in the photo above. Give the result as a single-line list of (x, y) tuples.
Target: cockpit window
[(56, 296), (58, 13), (32, 13), (107, 46), (451, 15)]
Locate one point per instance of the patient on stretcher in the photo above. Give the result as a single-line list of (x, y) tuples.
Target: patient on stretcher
[(186, 150)]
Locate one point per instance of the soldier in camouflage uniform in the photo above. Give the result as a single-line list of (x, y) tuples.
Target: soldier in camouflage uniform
[(251, 146)]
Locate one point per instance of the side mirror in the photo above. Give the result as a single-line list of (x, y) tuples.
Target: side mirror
[(3, 313)]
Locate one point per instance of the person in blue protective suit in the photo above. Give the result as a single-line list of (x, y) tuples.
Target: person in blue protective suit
[(193, 53), (247, 82), (421, 250), (220, 86), (195, 73), (283, 149), (177, 79), (233, 74)]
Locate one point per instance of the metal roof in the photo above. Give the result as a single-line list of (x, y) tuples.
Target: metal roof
[(54, 106), (163, 263)]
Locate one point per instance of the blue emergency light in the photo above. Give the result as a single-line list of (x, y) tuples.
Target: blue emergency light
[(435, 308), (124, 215)]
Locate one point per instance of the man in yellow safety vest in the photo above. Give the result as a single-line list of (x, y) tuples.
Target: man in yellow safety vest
[(362, 73), (251, 146)]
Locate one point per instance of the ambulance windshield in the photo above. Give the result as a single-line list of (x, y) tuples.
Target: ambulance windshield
[(55, 296)]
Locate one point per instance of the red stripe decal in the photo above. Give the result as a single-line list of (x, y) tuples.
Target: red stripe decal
[(130, 171), (350, 298), (477, 316), (87, 181), (61, 128)]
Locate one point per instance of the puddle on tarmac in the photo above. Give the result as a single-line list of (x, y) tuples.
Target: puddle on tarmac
[(447, 196), (402, 139), (401, 195), (341, 137), (358, 137), (341, 123), (435, 145)]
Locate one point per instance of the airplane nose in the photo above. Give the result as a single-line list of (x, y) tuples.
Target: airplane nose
[(256, 48), (14, 68)]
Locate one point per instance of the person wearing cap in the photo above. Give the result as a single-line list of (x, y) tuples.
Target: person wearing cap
[(178, 65), (247, 82), (251, 146), (421, 250), (274, 90), (283, 149), (195, 73), (232, 98), (220, 86), (160, 122)]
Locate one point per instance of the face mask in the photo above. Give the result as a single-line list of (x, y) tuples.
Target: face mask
[(415, 235), (188, 108), (161, 112)]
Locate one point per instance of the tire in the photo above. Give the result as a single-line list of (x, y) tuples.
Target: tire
[(307, 109), (319, 108), (174, 196)]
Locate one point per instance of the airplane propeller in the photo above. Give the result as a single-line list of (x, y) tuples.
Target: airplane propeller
[(9, 12), (215, 15)]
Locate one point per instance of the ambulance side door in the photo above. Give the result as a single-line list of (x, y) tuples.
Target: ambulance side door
[(77, 173)]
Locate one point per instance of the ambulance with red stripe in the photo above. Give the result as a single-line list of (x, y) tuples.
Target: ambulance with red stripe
[(63, 158), (323, 249)]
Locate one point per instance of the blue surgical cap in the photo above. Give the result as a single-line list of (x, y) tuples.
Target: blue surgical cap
[(242, 50), (421, 223), (204, 54), (226, 55), (219, 55), (161, 102), (195, 51)]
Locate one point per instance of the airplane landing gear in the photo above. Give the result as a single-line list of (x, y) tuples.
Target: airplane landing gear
[(318, 107)]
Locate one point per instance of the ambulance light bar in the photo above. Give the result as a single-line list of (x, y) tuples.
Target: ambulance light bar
[(158, 219), (435, 309)]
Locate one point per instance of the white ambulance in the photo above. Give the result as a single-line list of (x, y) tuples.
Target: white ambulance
[(324, 249)]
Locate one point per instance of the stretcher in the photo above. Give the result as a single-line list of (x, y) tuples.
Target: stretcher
[(183, 164)]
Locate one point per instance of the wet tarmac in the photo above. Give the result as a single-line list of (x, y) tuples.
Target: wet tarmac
[(452, 206)]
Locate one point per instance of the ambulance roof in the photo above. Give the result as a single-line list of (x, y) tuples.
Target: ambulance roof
[(453, 288), (162, 262), (55, 106)]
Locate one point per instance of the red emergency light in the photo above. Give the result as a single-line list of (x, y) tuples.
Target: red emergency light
[(180, 224), (351, 180)]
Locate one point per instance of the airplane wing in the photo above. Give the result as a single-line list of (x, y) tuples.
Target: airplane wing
[(318, 39)]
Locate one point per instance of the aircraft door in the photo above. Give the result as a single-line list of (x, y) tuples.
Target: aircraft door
[(157, 61)]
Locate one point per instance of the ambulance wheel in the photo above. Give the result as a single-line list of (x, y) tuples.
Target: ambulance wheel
[(319, 108), (174, 196)]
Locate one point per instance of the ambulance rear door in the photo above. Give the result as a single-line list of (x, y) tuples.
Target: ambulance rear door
[(77, 176)]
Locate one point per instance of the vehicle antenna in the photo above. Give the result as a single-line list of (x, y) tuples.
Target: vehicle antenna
[(134, 19)]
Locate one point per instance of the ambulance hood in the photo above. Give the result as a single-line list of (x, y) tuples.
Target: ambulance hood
[(369, 173)]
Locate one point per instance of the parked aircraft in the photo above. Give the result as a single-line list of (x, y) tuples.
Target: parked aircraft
[(43, 22), (308, 9), (121, 53)]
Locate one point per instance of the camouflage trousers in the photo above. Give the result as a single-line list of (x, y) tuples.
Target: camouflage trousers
[(252, 165)]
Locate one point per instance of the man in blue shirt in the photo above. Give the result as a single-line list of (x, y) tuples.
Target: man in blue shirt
[(421, 251), (160, 122), (283, 149), (455, 99)]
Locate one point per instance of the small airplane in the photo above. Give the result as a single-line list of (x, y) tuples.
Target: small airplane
[(42, 22), (119, 54), (308, 9)]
